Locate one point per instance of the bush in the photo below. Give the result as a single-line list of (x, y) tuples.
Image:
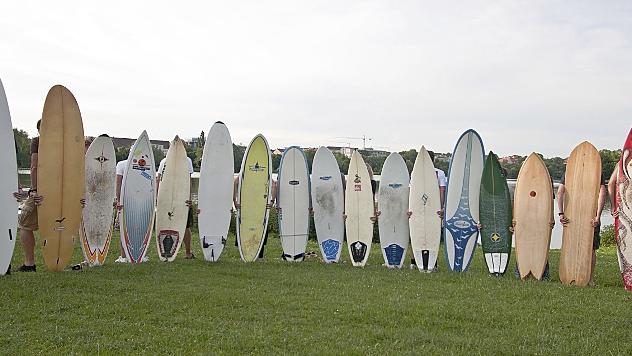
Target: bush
[(608, 236)]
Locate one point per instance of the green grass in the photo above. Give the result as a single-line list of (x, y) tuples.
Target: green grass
[(272, 306)]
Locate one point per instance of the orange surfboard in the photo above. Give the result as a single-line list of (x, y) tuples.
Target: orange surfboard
[(60, 176), (583, 176)]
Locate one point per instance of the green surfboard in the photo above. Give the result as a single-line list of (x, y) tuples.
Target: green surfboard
[(495, 216)]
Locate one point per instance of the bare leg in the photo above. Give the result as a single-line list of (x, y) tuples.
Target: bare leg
[(28, 243), (187, 242), (592, 268)]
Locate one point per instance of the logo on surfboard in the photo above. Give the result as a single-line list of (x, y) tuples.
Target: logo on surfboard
[(256, 167)]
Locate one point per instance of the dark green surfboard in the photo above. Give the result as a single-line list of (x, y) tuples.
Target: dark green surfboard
[(495, 216)]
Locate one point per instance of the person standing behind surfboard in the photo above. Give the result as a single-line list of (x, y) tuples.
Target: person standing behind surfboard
[(269, 206), (596, 221), (120, 170), (187, 232), (27, 221), (443, 183)]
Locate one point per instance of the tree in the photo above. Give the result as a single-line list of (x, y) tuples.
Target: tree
[(158, 155), (238, 154), (22, 148), (609, 160), (199, 151), (343, 162), (122, 153)]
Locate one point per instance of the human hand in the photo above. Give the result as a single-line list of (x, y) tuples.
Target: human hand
[(189, 203), (409, 213), (20, 195), (614, 213), (564, 220), (596, 221), (38, 199), (83, 202), (440, 213)]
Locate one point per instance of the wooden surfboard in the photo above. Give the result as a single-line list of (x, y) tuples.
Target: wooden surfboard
[(255, 183), (495, 215), (424, 203), (60, 176), (623, 201), (462, 201), (171, 208), (392, 202), (583, 175), (8, 185), (97, 216), (359, 210), (293, 200), (533, 215), (215, 194), (138, 193), (328, 204)]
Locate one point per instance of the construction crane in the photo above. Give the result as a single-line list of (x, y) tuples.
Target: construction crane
[(363, 138)]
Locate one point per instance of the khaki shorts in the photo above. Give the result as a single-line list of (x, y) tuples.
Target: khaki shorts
[(27, 219)]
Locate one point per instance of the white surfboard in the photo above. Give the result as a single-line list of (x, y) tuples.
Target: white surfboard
[(392, 202), (215, 192), (462, 200), (97, 215), (8, 185), (359, 210), (171, 208), (293, 201), (138, 193), (328, 204), (424, 203)]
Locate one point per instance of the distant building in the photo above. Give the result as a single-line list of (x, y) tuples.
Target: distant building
[(120, 142), (510, 159)]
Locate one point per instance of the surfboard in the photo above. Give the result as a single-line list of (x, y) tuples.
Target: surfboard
[(359, 210), (8, 185), (462, 200), (533, 215), (138, 193), (583, 176), (97, 217), (171, 208), (424, 203), (495, 215), (392, 202), (215, 192), (623, 222), (255, 183), (60, 176), (328, 204), (293, 201)]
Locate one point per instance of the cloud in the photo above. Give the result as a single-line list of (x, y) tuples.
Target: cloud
[(528, 76)]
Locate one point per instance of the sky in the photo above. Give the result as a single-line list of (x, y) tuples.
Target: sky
[(527, 75)]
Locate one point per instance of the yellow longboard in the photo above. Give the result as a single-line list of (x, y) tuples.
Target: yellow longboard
[(60, 176), (253, 198), (583, 175)]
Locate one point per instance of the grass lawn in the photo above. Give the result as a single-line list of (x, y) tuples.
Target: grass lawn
[(271, 306)]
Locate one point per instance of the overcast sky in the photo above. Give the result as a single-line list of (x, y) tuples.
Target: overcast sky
[(527, 75)]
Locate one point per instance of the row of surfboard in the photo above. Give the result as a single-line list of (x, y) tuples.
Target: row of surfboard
[(477, 193)]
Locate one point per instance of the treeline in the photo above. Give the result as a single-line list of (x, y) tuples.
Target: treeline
[(375, 159)]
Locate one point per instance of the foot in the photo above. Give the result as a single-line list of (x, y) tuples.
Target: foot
[(413, 266), (25, 268), (8, 271), (121, 259), (189, 256)]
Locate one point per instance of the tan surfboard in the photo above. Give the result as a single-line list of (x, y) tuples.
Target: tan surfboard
[(533, 214), (60, 176), (583, 175)]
